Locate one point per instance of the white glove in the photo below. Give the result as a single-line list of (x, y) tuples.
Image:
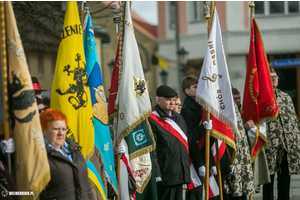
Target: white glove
[(207, 125), (232, 169), (201, 171), (8, 146), (158, 179), (121, 149), (213, 171)]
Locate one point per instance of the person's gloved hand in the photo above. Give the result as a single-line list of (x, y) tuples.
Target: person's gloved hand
[(121, 149), (232, 169), (208, 125), (201, 171), (213, 171), (158, 179), (8, 146)]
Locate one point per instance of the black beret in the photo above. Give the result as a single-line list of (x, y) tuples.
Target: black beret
[(165, 91)]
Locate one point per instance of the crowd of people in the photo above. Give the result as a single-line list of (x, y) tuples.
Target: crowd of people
[(176, 128)]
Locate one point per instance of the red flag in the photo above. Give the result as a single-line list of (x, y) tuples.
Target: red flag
[(259, 102), (114, 86)]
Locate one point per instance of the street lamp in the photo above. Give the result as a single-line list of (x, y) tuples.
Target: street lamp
[(111, 65), (182, 57), (164, 75)]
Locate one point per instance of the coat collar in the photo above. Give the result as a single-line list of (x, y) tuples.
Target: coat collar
[(190, 102), (71, 143), (163, 114)]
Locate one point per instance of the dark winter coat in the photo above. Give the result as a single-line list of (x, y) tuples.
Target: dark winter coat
[(171, 159), (192, 114), (69, 180)]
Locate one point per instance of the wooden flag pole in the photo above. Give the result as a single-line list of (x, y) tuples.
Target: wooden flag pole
[(251, 5), (4, 80), (212, 9), (207, 139), (219, 169)]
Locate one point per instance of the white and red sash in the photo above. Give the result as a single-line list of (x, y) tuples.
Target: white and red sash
[(171, 127)]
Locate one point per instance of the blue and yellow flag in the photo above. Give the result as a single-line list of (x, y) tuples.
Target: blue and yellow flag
[(102, 133), (70, 92)]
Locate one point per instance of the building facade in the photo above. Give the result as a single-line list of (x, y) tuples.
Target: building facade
[(278, 23)]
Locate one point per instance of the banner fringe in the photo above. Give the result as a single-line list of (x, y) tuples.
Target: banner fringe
[(216, 114)]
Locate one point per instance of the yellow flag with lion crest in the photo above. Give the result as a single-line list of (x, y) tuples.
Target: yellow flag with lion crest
[(70, 92)]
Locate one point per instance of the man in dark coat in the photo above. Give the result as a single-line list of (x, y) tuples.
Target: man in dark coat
[(192, 114), (170, 158)]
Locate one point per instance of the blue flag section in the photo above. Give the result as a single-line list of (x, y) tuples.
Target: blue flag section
[(101, 127)]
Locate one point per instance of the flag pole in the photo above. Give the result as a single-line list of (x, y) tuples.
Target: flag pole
[(208, 18), (251, 5), (121, 36), (4, 81), (212, 9)]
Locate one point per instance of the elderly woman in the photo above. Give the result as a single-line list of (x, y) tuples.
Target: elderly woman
[(69, 179)]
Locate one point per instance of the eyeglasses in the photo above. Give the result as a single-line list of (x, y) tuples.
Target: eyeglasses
[(277, 77), (178, 105)]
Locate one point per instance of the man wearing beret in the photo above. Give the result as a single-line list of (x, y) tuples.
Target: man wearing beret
[(171, 156)]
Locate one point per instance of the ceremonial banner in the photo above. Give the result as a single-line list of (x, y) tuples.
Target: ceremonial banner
[(259, 102), (70, 91), (134, 108), (114, 86), (214, 88), (101, 127), (32, 169)]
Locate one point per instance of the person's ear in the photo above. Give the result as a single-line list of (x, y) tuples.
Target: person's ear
[(187, 90)]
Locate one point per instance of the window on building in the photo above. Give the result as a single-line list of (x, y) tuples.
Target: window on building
[(172, 14), (293, 6), (276, 7), (259, 7), (40, 65), (196, 11)]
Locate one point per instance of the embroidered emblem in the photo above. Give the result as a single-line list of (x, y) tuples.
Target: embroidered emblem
[(139, 137), (139, 87), (81, 98), (106, 146), (121, 116), (213, 78), (140, 173)]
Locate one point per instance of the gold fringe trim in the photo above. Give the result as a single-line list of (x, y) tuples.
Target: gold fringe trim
[(227, 141), (37, 189), (146, 149), (140, 190), (127, 130), (216, 114), (262, 147), (90, 154), (112, 115), (269, 118), (111, 183), (116, 107)]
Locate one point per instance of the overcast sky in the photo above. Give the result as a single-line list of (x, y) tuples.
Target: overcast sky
[(147, 10)]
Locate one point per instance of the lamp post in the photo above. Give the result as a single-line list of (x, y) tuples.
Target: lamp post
[(111, 65), (164, 75), (182, 60)]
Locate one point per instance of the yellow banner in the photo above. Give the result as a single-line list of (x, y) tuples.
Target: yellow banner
[(70, 92), (163, 64), (32, 168)]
